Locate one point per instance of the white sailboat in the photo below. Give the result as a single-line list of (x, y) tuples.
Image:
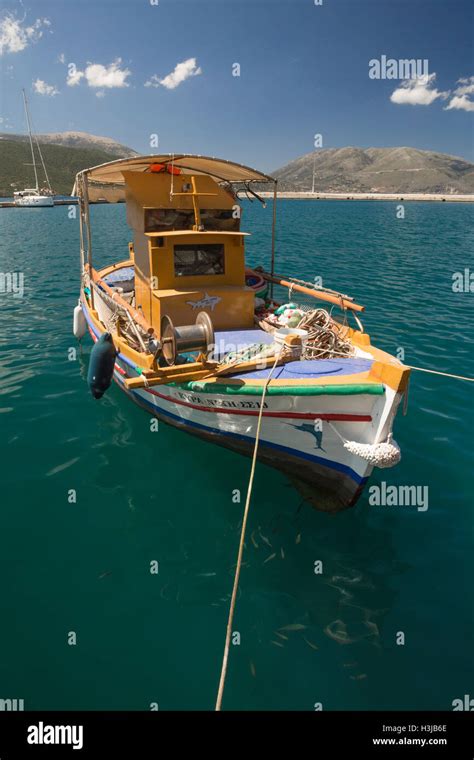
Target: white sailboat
[(31, 197)]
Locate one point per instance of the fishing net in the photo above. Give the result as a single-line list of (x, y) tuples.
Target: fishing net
[(326, 339)]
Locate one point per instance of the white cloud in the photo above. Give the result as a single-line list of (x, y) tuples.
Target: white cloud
[(182, 71), (15, 36), (467, 86), (40, 87), (460, 100), (61, 58), (100, 94), (417, 92), (97, 75), (74, 76)]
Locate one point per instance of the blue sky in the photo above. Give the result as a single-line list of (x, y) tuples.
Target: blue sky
[(304, 70)]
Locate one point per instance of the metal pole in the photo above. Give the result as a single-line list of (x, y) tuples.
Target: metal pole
[(31, 140), (272, 268), (78, 186), (85, 185)]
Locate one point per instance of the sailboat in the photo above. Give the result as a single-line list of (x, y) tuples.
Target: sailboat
[(32, 197), (194, 336)]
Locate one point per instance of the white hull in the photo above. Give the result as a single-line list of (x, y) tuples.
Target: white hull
[(314, 457), (32, 201)]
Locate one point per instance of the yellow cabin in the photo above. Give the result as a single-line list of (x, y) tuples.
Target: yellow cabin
[(188, 249)]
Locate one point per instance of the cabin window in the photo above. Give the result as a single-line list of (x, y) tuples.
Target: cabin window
[(168, 219), (219, 220), (171, 219), (194, 260)]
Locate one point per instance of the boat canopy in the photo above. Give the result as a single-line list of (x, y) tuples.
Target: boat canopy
[(106, 181)]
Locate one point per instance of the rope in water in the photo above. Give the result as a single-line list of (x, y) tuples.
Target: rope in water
[(444, 374), (241, 544)]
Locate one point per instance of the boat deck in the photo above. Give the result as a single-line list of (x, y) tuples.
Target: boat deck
[(236, 340), (297, 370)]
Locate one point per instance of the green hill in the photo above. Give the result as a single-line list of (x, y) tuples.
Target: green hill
[(62, 165)]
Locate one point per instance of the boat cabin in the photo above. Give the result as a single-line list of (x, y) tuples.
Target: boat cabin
[(188, 248)]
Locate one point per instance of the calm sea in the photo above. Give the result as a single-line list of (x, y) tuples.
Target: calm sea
[(81, 571)]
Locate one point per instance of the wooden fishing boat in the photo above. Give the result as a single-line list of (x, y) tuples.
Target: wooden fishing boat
[(201, 342)]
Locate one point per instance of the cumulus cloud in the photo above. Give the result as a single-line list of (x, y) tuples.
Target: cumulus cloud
[(61, 58), (42, 88), (419, 91), (181, 72), (15, 35), (460, 100), (74, 76), (99, 76)]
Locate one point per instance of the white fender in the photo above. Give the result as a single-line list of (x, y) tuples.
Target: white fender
[(80, 324)]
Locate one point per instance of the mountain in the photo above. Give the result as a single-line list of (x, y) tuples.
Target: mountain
[(377, 170), (62, 164), (78, 140)]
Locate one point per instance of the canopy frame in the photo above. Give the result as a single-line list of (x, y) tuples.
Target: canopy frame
[(110, 173)]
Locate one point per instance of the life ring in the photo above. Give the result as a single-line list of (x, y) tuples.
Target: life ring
[(256, 282)]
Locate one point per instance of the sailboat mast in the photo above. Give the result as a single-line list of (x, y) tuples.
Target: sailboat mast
[(31, 139), (43, 165)]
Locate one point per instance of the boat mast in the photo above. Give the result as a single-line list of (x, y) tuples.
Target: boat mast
[(31, 139), (314, 166), (43, 165)]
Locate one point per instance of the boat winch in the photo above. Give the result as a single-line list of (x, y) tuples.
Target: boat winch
[(176, 340)]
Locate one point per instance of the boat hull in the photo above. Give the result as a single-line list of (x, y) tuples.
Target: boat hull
[(34, 201), (298, 435)]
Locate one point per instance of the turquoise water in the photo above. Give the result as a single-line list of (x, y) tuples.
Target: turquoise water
[(84, 567)]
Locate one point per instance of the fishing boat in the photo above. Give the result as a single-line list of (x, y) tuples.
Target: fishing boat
[(34, 196), (207, 344)]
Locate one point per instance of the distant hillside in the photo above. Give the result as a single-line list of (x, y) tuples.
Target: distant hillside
[(383, 170), (62, 165), (78, 140)]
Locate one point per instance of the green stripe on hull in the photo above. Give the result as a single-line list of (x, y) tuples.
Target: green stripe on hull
[(353, 389)]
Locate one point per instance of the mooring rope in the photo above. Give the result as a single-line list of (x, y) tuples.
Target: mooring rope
[(444, 374), (241, 544)]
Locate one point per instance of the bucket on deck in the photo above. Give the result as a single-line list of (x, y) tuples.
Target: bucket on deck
[(283, 332)]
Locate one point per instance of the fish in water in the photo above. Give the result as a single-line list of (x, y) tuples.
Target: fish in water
[(101, 365), (207, 302), (265, 540)]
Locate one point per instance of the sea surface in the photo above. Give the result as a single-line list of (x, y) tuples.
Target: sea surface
[(91, 497)]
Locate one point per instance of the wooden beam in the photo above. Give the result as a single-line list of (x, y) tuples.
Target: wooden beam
[(134, 313), (321, 294)]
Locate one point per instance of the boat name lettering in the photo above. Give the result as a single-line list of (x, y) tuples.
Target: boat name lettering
[(217, 402)]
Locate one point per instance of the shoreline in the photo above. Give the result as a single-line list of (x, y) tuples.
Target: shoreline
[(435, 197)]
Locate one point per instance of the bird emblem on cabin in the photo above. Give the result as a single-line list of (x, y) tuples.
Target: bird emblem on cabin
[(207, 302)]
